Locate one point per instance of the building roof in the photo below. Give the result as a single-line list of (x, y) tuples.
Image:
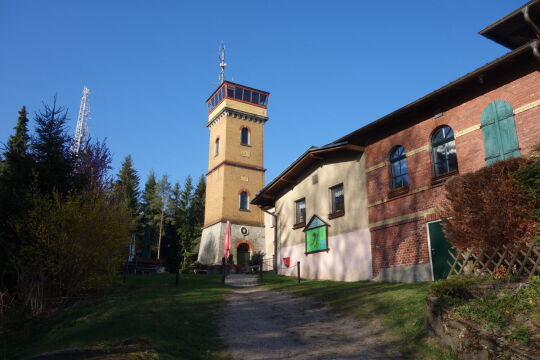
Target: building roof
[(267, 195), (513, 30), (509, 31), (459, 90)]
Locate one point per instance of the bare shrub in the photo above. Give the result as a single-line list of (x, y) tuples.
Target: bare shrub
[(73, 245), (488, 208)]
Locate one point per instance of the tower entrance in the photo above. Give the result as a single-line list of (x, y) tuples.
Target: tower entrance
[(242, 252)]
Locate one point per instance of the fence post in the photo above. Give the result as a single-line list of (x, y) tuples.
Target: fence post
[(298, 270), (261, 270), (223, 270)]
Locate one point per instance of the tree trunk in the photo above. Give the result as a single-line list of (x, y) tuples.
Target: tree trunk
[(160, 233)]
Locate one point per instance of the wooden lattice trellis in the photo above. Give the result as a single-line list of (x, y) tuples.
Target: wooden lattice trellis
[(517, 259)]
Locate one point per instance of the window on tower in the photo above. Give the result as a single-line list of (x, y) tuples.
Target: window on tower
[(244, 201), (216, 147), (244, 136)]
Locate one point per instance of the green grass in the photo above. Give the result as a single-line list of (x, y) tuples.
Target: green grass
[(177, 319), (400, 308)]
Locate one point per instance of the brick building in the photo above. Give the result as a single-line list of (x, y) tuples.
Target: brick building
[(492, 113)]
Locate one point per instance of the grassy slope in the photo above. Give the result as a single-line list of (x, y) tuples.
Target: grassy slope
[(400, 307), (178, 319)]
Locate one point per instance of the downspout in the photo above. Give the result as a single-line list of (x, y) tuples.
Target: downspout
[(274, 215), (529, 21), (536, 28), (535, 48)]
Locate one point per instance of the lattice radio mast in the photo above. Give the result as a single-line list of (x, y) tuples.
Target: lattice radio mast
[(81, 132), (222, 63)]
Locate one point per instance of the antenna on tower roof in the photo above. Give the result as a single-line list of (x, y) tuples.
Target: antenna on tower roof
[(81, 132), (222, 63)]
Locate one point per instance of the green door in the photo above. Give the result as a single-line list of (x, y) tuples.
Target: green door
[(439, 251), (243, 254)]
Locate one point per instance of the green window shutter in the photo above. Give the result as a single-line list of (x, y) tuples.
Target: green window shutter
[(499, 132), (507, 129), (490, 133)]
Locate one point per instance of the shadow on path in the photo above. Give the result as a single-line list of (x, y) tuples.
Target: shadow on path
[(258, 324)]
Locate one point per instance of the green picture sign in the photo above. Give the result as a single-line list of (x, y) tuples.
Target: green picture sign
[(316, 235)]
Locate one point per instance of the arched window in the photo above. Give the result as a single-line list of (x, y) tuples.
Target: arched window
[(244, 136), (244, 201), (443, 151), (398, 168), (499, 132), (216, 147)]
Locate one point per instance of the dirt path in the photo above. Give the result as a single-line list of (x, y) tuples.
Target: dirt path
[(258, 324)]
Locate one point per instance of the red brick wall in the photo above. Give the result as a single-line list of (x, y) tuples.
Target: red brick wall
[(406, 244), (399, 245)]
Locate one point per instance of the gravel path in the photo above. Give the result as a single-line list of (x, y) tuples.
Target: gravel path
[(258, 324)]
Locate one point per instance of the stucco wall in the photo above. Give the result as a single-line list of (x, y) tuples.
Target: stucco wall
[(349, 257)]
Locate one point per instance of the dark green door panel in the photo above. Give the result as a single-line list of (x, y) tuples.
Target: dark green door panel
[(243, 258), (439, 251)]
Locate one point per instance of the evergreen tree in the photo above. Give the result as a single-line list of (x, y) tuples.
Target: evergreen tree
[(127, 189), (186, 222), (197, 211), (51, 150), (17, 165), (162, 201), (156, 198), (148, 195), (15, 178), (198, 202)]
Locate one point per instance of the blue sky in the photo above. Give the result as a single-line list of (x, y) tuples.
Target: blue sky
[(331, 66)]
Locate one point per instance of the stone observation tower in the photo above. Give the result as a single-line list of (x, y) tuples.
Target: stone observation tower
[(236, 117)]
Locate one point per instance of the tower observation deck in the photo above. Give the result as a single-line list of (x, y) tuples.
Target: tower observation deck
[(230, 90)]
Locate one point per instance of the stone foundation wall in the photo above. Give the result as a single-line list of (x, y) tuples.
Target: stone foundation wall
[(467, 339), (212, 241)]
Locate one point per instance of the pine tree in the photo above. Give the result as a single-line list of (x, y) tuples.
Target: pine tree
[(186, 224), (147, 205), (163, 199), (197, 216), (198, 202), (15, 179), (148, 195), (127, 189), (51, 150), (17, 165)]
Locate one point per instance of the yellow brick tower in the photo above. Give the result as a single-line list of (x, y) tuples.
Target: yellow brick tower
[(236, 119)]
